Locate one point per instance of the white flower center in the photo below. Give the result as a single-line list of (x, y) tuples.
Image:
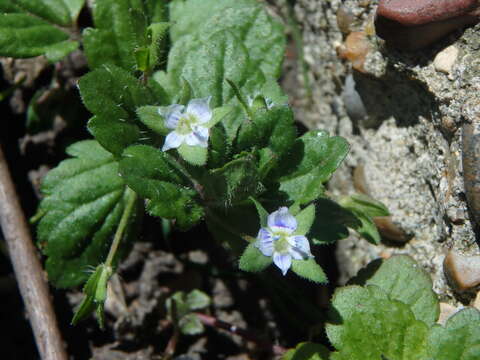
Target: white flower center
[(186, 124), (281, 244)]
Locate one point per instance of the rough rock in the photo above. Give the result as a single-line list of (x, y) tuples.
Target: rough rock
[(406, 136)]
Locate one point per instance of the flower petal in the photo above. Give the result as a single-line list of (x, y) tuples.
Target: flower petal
[(300, 249), (200, 108), (265, 242), (282, 220), (171, 114), (198, 137), (173, 140), (283, 261)]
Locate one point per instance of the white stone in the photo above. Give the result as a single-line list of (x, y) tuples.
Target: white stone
[(445, 59)]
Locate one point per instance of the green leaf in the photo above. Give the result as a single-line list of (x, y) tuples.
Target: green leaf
[(113, 41), (366, 324), (234, 182), (83, 203), (150, 116), (190, 324), (310, 163), (95, 291), (388, 331), (60, 12), (112, 134), (365, 204), (403, 279), (262, 213), (155, 176), (346, 302), (30, 28), (58, 51), (206, 64), (219, 149), (365, 208), (181, 308), (121, 28), (309, 270), (330, 223), (252, 260), (458, 340), (112, 92), (307, 351), (156, 36), (113, 95), (246, 19), (367, 228), (184, 23), (305, 220), (272, 128), (24, 36), (197, 300), (194, 155)]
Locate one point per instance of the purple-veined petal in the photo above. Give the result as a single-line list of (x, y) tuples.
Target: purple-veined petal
[(283, 261), (173, 140), (200, 108), (282, 220), (300, 247), (198, 137), (172, 115), (265, 242)]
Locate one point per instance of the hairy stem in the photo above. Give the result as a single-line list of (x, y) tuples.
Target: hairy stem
[(127, 212)]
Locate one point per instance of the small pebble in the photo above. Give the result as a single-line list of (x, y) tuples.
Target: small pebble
[(463, 272), (389, 230), (355, 49), (446, 310), (445, 59)]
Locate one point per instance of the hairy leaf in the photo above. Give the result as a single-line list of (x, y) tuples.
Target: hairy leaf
[(458, 340), (246, 19), (84, 200), (403, 279), (367, 324), (234, 182), (253, 260), (113, 95), (365, 204), (305, 219), (389, 330), (310, 163), (309, 270), (30, 28), (121, 28), (331, 222), (273, 128), (155, 176)]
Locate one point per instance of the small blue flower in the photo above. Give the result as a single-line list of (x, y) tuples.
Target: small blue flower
[(189, 125), (277, 240)]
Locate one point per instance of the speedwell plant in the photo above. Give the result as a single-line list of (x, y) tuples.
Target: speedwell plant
[(189, 125)]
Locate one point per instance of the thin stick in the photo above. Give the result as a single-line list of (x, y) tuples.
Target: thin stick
[(28, 271), (246, 334)]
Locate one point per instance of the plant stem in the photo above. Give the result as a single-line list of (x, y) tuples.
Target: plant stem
[(28, 271), (127, 212), (246, 334)]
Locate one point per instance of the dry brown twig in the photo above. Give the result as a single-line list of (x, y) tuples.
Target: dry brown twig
[(28, 271)]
